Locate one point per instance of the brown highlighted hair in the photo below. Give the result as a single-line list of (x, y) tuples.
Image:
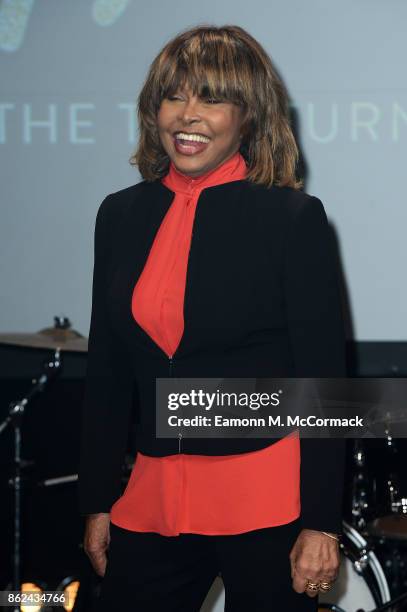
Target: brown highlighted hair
[(225, 63)]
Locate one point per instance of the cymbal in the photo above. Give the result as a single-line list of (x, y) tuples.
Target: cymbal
[(63, 338)]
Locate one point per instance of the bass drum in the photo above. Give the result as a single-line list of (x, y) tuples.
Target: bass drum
[(361, 584)]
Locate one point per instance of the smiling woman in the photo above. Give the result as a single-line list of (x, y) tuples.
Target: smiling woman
[(216, 138), (188, 283), (226, 88)]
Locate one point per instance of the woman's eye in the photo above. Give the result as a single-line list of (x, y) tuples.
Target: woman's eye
[(206, 100)]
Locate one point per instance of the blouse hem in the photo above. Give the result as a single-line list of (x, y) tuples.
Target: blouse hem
[(212, 533)]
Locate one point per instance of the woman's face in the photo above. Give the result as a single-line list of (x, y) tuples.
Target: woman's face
[(186, 115)]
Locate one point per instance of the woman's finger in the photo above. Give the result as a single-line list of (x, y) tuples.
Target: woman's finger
[(300, 582)]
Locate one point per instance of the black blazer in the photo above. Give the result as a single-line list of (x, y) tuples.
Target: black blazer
[(261, 300)]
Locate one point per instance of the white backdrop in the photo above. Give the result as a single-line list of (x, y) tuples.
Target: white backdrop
[(70, 75)]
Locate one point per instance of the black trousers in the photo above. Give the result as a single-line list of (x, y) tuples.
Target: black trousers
[(148, 572)]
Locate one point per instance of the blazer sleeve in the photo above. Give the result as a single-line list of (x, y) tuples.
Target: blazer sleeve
[(107, 400), (317, 336)]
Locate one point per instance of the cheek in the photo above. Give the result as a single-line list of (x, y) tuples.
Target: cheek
[(160, 120), (226, 125), (163, 118)]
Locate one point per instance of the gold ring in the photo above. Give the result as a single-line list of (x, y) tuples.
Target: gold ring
[(312, 586), (325, 586)]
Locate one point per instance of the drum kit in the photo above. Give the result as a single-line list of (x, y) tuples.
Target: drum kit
[(373, 573)]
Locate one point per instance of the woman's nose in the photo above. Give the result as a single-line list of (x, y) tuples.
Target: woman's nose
[(190, 109)]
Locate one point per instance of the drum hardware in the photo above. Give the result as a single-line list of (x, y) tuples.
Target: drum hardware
[(361, 583), (376, 501), (377, 512), (391, 514), (393, 485), (400, 506), (401, 599), (51, 482), (392, 554), (60, 337), (14, 418), (362, 561), (362, 492)]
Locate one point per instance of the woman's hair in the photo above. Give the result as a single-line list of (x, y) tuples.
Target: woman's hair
[(225, 63)]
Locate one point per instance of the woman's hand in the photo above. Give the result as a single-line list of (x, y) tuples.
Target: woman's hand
[(314, 557), (97, 540)]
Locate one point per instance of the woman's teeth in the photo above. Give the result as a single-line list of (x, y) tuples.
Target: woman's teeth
[(191, 137)]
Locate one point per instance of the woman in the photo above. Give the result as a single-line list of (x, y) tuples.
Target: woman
[(215, 264)]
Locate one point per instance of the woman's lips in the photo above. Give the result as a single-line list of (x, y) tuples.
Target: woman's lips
[(189, 147)]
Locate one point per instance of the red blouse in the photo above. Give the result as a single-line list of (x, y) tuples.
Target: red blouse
[(212, 495)]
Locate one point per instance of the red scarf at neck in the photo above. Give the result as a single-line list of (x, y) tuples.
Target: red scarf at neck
[(233, 169)]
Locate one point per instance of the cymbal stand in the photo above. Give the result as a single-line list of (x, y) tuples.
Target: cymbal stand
[(360, 497), (14, 418)]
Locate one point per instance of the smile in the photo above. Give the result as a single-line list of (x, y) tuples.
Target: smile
[(190, 144), (191, 137)]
